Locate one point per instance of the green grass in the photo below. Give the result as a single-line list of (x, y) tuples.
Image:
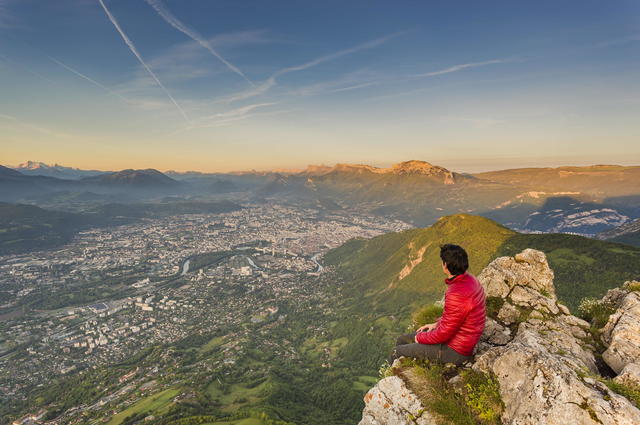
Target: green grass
[(634, 287), (631, 392), (568, 256), (245, 421), (212, 344), (234, 396), (595, 311), (428, 314), (363, 383), (475, 401), (155, 403)]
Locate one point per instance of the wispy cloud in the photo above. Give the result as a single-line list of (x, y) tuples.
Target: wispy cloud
[(224, 118), (183, 62), (272, 80), (231, 120), (355, 87), (33, 127), (240, 111), (91, 80), (463, 66), (351, 81), (159, 7), (133, 49)]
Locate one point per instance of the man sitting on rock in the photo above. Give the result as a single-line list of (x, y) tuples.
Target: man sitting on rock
[(453, 337)]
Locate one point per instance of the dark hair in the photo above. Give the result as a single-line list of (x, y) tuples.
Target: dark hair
[(455, 258)]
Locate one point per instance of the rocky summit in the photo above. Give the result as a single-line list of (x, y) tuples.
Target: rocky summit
[(551, 367)]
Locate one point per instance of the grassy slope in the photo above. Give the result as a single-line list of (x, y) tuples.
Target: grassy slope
[(632, 238), (152, 404), (583, 267), (372, 266), (377, 306)]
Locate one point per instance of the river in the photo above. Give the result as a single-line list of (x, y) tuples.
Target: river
[(185, 267), (315, 260)]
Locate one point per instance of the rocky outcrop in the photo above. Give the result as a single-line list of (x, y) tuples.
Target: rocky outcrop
[(391, 402), (630, 375), (622, 333), (543, 358)]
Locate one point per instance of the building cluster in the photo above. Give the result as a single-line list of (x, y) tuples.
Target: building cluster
[(146, 283)]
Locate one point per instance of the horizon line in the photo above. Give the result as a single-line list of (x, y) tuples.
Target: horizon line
[(374, 164)]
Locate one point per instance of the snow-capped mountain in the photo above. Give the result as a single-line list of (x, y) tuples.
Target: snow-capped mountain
[(35, 168)]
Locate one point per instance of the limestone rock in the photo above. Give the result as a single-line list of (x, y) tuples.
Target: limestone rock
[(540, 387), (391, 402), (614, 296), (528, 297), (494, 333), (630, 375), (508, 314), (529, 268), (622, 334)]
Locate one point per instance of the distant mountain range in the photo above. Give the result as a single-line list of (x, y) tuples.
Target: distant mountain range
[(35, 168), (628, 233), (148, 178), (582, 200), (15, 185)]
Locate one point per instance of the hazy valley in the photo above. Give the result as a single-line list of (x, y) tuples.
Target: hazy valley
[(258, 296)]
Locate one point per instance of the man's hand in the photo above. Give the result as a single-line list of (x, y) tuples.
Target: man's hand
[(427, 327)]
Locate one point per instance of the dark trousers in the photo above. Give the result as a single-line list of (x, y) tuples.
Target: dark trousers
[(441, 353)]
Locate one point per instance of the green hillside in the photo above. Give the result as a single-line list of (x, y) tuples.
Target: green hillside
[(583, 267), (629, 239), (377, 304), (373, 267)]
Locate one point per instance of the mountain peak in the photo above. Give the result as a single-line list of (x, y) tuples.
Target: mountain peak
[(33, 165), (414, 166), (421, 167), (147, 177), (411, 167)]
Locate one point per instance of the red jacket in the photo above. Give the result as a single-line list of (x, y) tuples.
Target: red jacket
[(464, 316)]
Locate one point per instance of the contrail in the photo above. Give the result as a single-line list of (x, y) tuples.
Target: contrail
[(159, 7), (92, 81), (460, 67), (272, 80), (135, 52)]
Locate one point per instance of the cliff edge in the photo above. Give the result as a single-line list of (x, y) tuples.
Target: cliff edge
[(535, 364)]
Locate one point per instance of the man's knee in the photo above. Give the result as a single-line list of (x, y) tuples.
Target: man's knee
[(406, 339)]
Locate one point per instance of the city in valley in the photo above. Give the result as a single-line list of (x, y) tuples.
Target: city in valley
[(114, 293)]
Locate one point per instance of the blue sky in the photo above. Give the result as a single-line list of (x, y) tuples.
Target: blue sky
[(230, 85)]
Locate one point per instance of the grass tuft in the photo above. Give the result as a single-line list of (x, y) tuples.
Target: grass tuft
[(595, 311), (475, 400), (428, 314)]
